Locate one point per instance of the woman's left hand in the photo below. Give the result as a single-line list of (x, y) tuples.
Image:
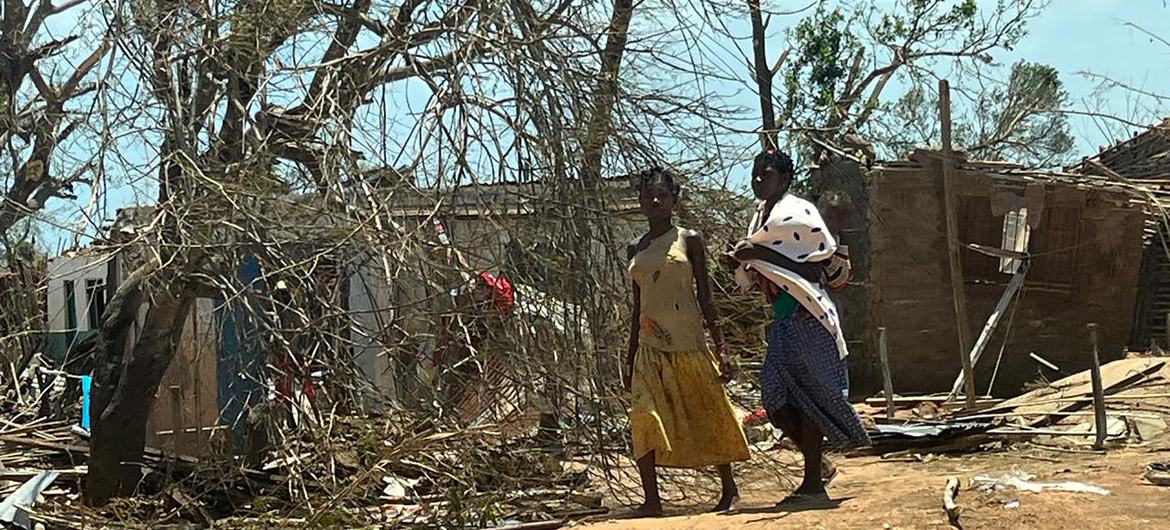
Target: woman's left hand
[(726, 372)]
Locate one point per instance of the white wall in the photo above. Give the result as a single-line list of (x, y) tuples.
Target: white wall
[(369, 302), (78, 269)]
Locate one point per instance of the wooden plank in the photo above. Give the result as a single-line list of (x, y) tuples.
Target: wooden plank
[(887, 382), (992, 322), (953, 247), (1075, 391)]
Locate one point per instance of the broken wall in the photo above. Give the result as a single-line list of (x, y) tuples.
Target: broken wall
[(1086, 246)]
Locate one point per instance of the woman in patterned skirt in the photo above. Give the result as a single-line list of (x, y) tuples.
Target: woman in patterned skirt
[(679, 414), (793, 258)]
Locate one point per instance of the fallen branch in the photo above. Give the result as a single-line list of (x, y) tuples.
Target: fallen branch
[(949, 495)]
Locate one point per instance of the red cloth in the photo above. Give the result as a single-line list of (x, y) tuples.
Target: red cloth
[(503, 299), (502, 296), (286, 376)]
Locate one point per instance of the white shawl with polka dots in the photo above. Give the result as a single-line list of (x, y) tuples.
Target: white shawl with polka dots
[(795, 229)]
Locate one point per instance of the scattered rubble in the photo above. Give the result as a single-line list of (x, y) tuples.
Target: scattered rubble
[(1024, 482), (1158, 473)]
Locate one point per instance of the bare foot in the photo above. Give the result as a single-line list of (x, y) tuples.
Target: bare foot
[(647, 510), (828, 472), (726, 501)]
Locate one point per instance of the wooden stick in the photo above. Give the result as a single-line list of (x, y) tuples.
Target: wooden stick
[(1044, 362), (1083, 399), (1063, 414), (993, 322), (1098, 392), (212, 428), (949, 495), (539, 525), (1064, 449), (887, 382), (1168, 331), (1038, 432), (938, 399), (953, 247)]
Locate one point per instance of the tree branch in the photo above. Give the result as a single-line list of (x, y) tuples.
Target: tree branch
[(763, 76)]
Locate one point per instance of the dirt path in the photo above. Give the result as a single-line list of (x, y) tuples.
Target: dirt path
[(898, 494)]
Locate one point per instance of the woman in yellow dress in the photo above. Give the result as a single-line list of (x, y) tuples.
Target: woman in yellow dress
[(680, 416)]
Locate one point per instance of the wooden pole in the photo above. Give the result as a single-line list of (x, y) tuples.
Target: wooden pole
[(992, 322), (1098, 392), (1167, 331), (955, 261), (887, 382)]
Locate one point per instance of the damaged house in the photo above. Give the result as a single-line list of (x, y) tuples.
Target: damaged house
[(393, 303), (1144, 160), (1081, 237)]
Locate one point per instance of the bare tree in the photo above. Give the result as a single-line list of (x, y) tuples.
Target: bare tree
[(208, 80), (45, 99), (243, 118)]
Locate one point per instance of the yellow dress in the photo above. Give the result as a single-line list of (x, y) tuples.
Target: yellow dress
[(678, 408)]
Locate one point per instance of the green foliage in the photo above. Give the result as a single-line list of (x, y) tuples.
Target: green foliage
[(834, 80), (1023, 121), (823, 44), (1019, 120)]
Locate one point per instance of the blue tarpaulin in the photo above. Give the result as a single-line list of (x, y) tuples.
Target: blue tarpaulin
[(86, 383)]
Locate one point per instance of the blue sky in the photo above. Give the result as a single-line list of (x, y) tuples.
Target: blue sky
[(1077, 37), (1093, 36)]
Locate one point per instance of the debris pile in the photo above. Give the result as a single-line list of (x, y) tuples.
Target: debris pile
[(1136, 396), (368, 472)]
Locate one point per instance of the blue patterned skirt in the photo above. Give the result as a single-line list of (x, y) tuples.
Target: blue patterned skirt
[(803, 369)]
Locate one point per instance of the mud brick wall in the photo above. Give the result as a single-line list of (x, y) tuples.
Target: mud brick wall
[(1087, 247), (853, 302)]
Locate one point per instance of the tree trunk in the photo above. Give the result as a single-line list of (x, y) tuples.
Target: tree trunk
[(763, 76), (123, 397), (581, 236), (605, 93)]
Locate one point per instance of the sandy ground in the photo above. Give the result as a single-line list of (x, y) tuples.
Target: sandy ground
[(875, 493)]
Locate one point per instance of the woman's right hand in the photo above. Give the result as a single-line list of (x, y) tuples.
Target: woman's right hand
[(745, 250), (727, 258)]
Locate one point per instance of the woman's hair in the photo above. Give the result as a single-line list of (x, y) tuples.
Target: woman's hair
[(773, 160), (657, 175)]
